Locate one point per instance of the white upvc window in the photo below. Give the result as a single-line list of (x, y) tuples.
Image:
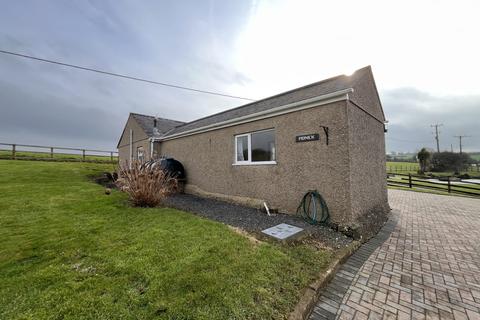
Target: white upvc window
[(255, 148), (140, 154)]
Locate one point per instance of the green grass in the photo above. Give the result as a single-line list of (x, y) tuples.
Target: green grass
[(7, 154), (432, 191), (413, 167), (68, 251), (475, 156), (402, 167), (439, 187)]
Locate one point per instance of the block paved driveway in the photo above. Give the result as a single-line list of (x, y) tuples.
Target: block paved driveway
[(424, 264)]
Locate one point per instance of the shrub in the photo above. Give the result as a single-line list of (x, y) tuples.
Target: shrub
[(449, 161), (464, 176), (146, 186), (423, 157)]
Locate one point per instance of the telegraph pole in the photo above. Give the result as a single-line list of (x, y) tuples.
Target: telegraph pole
[(460, 141), (436, 125)]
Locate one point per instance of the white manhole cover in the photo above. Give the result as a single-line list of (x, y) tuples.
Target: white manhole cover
[(282, 231)]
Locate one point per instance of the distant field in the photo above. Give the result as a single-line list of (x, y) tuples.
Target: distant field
[(403, 167), (412, 167), (7, 154), (475, 156)]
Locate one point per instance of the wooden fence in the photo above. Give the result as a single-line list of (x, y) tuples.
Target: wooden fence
[(414, 168), (449, 185), (402, 168), (48, 153)]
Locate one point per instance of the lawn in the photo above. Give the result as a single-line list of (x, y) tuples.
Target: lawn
[(68, 251)]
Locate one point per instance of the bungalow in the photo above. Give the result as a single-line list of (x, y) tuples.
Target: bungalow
[(326, 136)]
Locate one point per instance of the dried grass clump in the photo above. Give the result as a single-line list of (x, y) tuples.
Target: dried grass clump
[(146, 186)]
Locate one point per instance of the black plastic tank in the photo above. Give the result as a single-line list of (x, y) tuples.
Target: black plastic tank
[(174, 167)]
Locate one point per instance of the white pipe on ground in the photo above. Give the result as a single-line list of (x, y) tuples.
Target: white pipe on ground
[(131, 148), (151, 149), (266, 208)]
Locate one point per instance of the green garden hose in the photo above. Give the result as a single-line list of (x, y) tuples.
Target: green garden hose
[(309, 207)]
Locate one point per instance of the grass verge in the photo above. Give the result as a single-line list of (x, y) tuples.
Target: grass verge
[(70, 251)]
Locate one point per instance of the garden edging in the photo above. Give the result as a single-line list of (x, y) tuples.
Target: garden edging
[(311, 293)]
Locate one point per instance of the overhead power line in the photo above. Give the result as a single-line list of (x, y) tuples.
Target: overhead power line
[(122, 75)]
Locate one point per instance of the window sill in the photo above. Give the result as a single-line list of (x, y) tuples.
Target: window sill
[(259, 163)]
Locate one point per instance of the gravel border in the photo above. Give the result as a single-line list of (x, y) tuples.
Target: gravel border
[(253, 220)]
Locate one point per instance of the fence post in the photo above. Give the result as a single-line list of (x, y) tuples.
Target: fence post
[(111, 156), (51, 152), (14, 151), (449, 186), (410, 180), (83, 155)]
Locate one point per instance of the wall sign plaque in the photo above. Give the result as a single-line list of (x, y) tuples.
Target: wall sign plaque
[(307, 137)]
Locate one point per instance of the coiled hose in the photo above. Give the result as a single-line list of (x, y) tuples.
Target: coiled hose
[(313, 208)]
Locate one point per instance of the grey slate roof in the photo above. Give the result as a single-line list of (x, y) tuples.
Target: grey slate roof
[(312, 90), (168, 127), (163, 125)]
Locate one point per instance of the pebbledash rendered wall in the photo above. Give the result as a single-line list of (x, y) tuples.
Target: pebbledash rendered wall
[(140, 139), (349, 172), (368, 183)]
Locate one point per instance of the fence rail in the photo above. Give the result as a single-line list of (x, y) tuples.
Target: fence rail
[(51, 153), (414, 168), (450, 186), (402, 168)]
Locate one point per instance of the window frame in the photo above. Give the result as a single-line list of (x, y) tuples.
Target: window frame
[(142, 149), (249, 162)]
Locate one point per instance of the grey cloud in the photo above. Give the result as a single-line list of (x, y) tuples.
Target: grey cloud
[(49, 116), (411, 112), (173, 42)]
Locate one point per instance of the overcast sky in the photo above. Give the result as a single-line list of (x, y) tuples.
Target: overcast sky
[(424, 55)]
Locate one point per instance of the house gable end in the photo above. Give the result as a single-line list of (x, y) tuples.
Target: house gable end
[(131, 123), (366, 95)]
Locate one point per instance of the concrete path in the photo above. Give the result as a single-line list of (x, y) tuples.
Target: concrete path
[(424, 264)]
